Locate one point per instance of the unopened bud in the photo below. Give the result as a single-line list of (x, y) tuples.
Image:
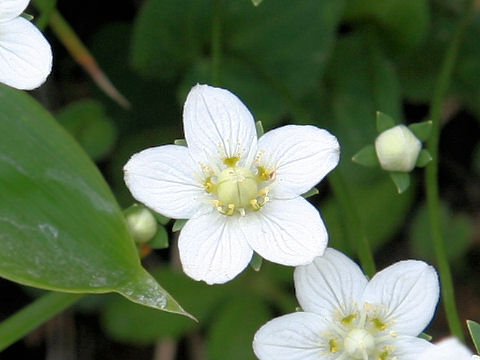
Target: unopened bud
[(142, 225), (397, 149)]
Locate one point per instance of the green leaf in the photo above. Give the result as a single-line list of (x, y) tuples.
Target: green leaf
[(61, 229), (168, 35), (127, 322), (384, 122), (474, 329), (406, 21), (366, 156), (88, 123), (288, 42), (256, 2), (423, 158), (401, 180), (178, 224), (231, 334), (422, 130)]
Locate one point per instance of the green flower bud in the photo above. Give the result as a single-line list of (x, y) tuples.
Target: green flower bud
[(142, 225), (397, 149)]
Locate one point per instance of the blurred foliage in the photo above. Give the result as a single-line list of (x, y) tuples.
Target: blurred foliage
[(332, 63), (458, 232)]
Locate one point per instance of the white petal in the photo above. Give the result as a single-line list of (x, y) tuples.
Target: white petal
[(331, 283), (447, 349), (213, 248), (408, 293), (294, 336), (12, 8), (163, 178), (287, 232), (25, 55), (218, 125), (300, 155), (410, 348)]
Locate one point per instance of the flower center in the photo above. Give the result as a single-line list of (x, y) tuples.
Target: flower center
[(237, 190), (359, 343), (237, 186)]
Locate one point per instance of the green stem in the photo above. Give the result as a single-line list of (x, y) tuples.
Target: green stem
[(21, 323), (216, 42), (355, 228), (431, 176)]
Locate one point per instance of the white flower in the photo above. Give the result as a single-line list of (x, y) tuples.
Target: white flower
[(25, 55), (347, 317), (448, 349), (397, 149), (238, 193)]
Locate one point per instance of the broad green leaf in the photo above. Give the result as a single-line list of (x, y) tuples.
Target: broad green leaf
[(127, 322), (474, 329), (257, 2), (289, 42), (168, 35), (88, 123), (61, 229), (384, 122), (231, 334), (406, 21), (366, 156)]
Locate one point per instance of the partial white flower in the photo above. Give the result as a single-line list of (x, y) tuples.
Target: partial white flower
[(241, 195), (448, 349), (25, 55), (347, 317), (397, 149)]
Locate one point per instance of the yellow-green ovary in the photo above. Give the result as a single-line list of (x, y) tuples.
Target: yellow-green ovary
[(237, 186)]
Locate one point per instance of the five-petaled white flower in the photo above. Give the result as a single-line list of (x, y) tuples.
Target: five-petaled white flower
[(347, 317), (448, 349), (25, 55), (238, 193)]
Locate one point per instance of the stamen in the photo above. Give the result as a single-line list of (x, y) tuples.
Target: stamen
[(333, 346), (231, 161), (378, 324)]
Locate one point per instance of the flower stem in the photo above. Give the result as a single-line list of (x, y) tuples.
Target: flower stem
[(216, 42), (431, 175), (33, 315), (354, 224)]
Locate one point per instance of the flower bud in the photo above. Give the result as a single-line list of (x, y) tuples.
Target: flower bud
[(142, 225), (397, 149)]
